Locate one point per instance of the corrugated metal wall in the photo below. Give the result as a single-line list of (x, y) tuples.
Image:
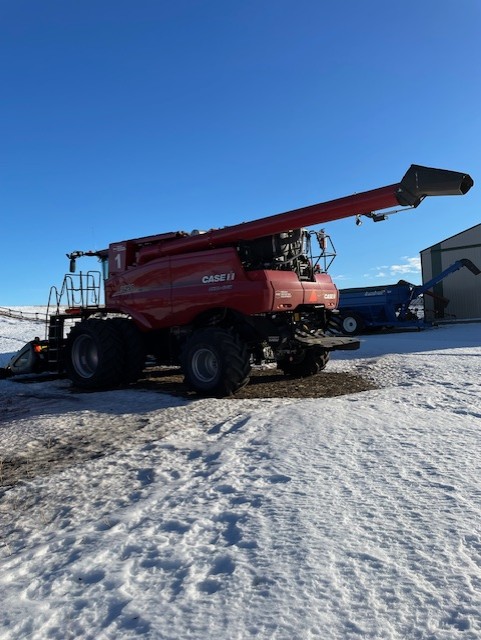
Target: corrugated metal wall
[(462, 288)]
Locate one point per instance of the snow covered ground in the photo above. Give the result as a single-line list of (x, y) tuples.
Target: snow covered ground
[(345, 518)]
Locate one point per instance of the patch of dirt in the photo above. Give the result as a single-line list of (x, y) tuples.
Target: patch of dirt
[(266, 383), (45, 458)]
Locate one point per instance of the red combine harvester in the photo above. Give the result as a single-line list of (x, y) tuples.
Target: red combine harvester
[(213, 302)]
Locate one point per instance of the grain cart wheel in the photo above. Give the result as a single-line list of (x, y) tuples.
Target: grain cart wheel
[(351, 324), (307, 363), (215, 362), (94, 355), (133, 348)]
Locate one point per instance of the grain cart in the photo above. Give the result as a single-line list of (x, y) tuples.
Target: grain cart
[(213, 302), (389, 306)]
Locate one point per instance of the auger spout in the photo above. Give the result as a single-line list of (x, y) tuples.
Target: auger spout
[(419, 182)]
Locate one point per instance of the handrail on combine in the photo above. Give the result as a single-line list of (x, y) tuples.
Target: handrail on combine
[(53, 292), (84, 293), (80, 290)]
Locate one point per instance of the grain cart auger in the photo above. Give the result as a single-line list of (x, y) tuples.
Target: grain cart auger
[(213, 302)]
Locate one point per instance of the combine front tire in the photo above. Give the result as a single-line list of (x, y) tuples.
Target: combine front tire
[(94, 356), (215, 362)]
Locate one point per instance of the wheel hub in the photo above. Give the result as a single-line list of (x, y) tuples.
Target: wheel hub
[(349, 324), (85, 356), (205, 365)]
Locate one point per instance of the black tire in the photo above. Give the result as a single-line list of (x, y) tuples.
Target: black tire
[(133, 349), (215, 362), (94, 354), (307, 363), (351, 324)]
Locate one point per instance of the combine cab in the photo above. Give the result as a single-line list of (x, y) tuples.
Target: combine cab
[(214, 302)]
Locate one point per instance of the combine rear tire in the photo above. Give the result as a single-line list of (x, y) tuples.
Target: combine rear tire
[(306, 363), (215, 362), (94, 355)]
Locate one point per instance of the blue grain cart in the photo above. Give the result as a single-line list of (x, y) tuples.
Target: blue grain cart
[(388, 306)]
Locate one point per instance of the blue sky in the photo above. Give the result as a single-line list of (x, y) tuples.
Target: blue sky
[(121, 119)]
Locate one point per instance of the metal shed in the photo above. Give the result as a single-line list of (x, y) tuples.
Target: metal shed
[(461, 289)]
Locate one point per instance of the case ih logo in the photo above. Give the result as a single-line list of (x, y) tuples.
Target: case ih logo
[(219, 277)]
